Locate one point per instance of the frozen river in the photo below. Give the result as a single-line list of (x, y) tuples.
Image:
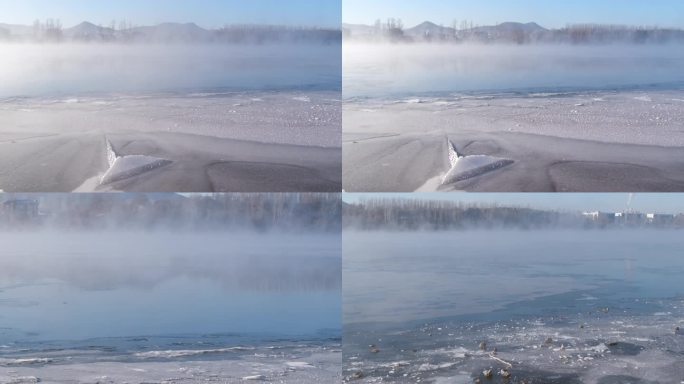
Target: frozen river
[(559, 307), (158, 306), (537, 118), (203, 118)]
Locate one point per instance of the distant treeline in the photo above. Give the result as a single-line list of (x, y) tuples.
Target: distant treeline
[(262, 212), (52, 31), (510, 32), (415, 214), (262, 34)]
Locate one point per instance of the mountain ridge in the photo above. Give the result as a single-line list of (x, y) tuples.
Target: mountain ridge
[(87, 31), (512, 32)]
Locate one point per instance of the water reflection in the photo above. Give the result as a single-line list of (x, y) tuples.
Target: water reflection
[(74, 286)]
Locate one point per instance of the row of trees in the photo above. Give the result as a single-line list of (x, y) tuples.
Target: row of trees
[(466, 31), (51, 30), (414, 214), (290, 212), (262, 212), (259, 34)]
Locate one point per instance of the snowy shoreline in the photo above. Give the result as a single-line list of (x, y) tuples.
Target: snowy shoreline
[(295, 362), (595, 141), (196, 142), (611, 344)]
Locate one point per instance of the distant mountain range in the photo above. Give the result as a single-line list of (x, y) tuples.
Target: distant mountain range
[(166, 32), (514, 32), (429, 28)]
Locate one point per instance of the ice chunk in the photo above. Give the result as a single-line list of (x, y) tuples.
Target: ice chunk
[(129, 166), (24, 361), (463, 168), (190, 352), (304, 99), (25, 380)]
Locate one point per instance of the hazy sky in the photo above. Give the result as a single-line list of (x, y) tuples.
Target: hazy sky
[(613, 202), (550, 14), (206, 13)]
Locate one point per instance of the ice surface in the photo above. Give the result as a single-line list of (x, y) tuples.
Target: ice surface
[(618, 117), (590, 348), (397, 147), (267, 363), (614, 324), (276, 94), (60, 147), (275, 117)]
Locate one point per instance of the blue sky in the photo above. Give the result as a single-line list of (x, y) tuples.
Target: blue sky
[(548, 13), (206, 13), (612, 202)]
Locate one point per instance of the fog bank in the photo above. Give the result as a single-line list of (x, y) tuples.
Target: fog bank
[(78, 68), (391, 70)]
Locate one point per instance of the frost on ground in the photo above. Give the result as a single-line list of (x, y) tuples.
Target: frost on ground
[(601, 345), (277, 363), (180, 142), (591, 141)]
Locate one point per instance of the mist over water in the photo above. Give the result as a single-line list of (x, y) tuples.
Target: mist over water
[(77, 68), (77, 286), (395, 278), (404, 70)]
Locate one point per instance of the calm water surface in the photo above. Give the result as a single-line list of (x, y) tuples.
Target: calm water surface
[(398, 71)]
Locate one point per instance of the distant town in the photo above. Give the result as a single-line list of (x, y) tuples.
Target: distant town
[(464, 31), (400, 214)]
